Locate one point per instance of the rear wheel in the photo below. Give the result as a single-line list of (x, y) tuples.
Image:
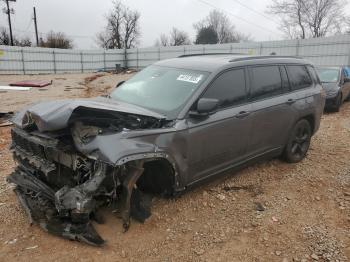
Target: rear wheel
[(298, 142)]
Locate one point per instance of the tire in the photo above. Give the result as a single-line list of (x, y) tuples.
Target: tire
[(299, 142), (338, 103)]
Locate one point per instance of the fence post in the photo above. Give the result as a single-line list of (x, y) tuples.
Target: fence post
[(23, 64), (184, 50), (137, 58), (297, 47), (104, 59), (54, 61), (125, 58), (261, 48), (158, 53), (82, 62), (231, 48), (203, 49)]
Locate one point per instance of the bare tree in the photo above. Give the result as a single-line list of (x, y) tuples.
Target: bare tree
[(122, 30), (56, 40), (179, 37), (223, 27), (309, 18), (5, 39), (176, 38)]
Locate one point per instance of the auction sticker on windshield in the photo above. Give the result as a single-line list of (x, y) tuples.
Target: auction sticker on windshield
[(190, 78)]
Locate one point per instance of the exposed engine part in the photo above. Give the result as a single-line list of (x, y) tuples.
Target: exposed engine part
[(80, 199), (62, 190), (71, 164)]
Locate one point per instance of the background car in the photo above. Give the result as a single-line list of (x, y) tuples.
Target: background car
[(336, 82)]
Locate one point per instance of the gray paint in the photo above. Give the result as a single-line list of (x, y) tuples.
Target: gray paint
[(196, 147)]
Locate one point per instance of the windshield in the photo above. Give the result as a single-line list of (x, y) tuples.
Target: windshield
[(161, 89), (328, 75)]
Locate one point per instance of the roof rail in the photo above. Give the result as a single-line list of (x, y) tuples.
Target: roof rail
[(262, 57), (209, 54)]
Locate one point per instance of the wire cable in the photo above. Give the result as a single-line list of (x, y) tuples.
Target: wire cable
[(238, 17), (255, 11)]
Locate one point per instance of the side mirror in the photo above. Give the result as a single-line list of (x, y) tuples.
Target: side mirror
[(205, 106), (120, 83)]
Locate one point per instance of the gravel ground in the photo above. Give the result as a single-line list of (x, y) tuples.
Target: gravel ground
[(271, 211)]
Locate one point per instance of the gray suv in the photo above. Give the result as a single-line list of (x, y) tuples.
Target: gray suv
[(174, 124)]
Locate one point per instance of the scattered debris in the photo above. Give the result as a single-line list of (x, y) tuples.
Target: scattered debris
[(4, 118), (274, 219), (11, 242), (33, 247), (92, 78), (32, 83), (15, 88), (259, 206)]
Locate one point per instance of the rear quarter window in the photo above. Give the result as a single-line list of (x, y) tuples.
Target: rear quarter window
[(299, 77), (313, 74)]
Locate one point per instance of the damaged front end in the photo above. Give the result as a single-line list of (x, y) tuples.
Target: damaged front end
[(63, 177)]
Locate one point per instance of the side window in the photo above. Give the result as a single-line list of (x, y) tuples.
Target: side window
[(346, 72), (228, 88), (298, 77), (285, 80), (266, 82), (313, 74)]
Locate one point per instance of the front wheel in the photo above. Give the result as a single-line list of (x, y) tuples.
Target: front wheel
[(298, 142)]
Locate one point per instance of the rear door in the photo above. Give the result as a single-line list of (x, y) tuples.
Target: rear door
[(273, 108), (220, 140)]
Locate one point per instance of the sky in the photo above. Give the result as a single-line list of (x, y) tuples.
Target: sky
[(83, 19)]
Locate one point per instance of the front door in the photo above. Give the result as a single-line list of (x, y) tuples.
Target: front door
[(220, 139)]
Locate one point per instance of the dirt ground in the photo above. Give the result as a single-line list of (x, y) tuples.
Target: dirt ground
[(271, 211)]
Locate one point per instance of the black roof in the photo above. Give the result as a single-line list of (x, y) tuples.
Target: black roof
[(211, 63)]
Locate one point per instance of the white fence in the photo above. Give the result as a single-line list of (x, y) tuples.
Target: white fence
[(330, 51)]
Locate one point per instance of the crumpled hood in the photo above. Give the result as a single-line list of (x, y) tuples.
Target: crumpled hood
[(55, 115)]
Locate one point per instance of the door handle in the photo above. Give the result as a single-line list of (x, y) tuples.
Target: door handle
[(242, 114), (291, 101)]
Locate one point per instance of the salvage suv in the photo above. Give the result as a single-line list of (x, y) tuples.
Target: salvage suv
[(174, 124)]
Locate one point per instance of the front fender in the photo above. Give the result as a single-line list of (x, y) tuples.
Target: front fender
[(120, 148)]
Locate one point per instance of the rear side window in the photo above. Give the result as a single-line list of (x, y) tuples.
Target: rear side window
[(347, 72), (298, 77), (313, 74), (228, 88), (266, 82)]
